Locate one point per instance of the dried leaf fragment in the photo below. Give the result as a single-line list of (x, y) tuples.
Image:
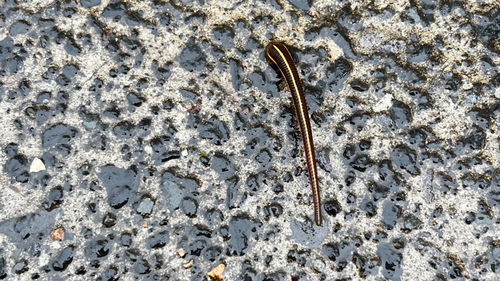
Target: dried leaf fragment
[(216, 272), (58, 234), (189, 264), (181, 253)]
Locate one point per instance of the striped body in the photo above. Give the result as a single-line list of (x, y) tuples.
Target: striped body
[(278, 54)]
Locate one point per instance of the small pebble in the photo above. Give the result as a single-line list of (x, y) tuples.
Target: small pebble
[(37, 166)]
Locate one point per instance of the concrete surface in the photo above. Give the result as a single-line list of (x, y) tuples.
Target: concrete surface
[(140, 128)]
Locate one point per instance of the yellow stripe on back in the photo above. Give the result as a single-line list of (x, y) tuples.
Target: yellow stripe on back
[(302, 114), (286, 64)]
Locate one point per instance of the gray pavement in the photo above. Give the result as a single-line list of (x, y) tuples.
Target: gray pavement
[(150, 140)]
